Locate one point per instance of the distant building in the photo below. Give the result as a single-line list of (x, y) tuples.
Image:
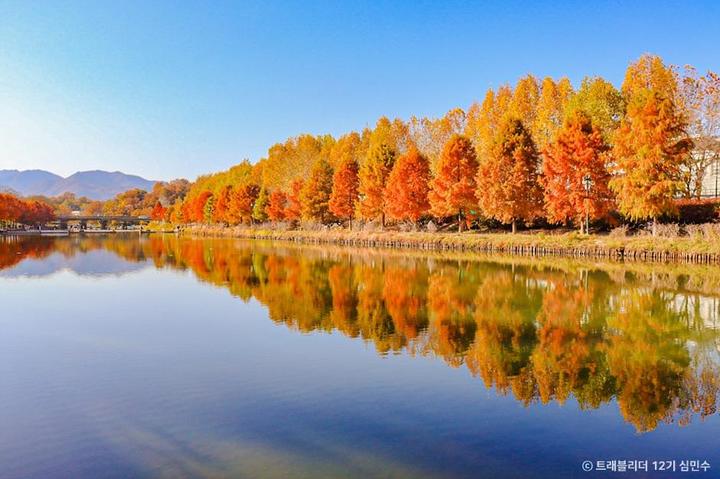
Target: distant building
[(711, 182)]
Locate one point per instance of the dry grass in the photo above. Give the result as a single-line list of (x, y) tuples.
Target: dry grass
[(701, 245)]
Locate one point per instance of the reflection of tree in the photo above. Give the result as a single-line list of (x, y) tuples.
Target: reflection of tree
[(374, 319), (505, 309), (13, 250), (405, 291), (567, 358), (648, 356), (540, 334), (451, 292)]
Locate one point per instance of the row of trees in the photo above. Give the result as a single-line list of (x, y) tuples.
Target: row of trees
[(538, 150), (134, 202), (14, 210)]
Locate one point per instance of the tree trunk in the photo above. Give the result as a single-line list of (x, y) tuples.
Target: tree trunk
[(654, 227), (460, 223), (582, 225), (382, 220), (514, 226)]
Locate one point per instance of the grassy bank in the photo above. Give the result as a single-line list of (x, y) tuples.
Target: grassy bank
[(632, 248)]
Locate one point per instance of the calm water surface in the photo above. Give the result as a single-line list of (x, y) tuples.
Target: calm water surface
[(167, 357)]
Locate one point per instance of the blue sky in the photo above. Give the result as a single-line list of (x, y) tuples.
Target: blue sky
[(170, 89)]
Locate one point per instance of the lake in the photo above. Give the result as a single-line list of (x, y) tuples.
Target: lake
[(175, 357)]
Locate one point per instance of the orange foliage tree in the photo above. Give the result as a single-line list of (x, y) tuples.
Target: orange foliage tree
[(577, 156), (452, 191), (508, 187), (242, 203), (277, 205), (373, 176), (650, 148), (293, 211), (406, 194), (158, 212), (16, 210), (344, 194), (222, 205), (315, 195)]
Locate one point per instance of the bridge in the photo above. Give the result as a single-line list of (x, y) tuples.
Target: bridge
[(123, 220)]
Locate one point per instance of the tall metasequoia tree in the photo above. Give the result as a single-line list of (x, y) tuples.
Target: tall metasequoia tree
[(344, 196), (650, 150), (406, 194), (293, 211), (315, 195), (508, 187), (373, 177), (452, 191), (576, 160)]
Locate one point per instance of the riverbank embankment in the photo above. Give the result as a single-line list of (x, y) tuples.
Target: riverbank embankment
[(698, 249)]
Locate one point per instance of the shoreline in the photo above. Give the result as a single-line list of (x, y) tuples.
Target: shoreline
[(570, 245)]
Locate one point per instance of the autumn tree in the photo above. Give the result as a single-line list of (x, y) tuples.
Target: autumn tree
[(261, 203), (243, 201), (222, 205), (277, 205), (524, 102), (650, 149), (158, 212), (209, 209), (406, 193), (293, 211), (484, 120), (373, 177), (649, 72), (577, 157), (452, 191), (508, 187), (315, 195), (550, 109), (196, 206), (344, 194), (429, 135)]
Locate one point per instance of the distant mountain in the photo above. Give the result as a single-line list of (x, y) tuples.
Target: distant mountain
[(97, 184)]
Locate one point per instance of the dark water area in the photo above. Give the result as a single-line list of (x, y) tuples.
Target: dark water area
[(175, 357)]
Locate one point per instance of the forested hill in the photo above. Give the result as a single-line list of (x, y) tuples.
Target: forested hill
[(97, 184)]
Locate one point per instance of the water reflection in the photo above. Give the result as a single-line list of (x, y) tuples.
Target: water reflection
[(542, 331)]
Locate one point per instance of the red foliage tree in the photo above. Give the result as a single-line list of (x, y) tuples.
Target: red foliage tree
[(344, 194), (276, 206), (577, 156), (293, 211), (196, 210), (406, 193), (10, 207), (158, 212), (222, 205)]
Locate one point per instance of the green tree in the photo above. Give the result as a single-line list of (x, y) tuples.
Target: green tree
[(259, 214)]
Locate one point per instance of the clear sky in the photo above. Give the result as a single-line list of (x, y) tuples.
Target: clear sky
[(180, 88)]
